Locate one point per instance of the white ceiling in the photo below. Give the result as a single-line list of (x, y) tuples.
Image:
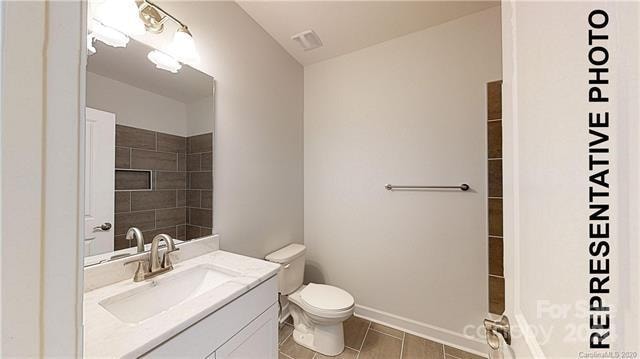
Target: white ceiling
[(131, 66), (346, 26)]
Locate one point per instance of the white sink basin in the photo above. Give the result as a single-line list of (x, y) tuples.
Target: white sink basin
[(165, 292)]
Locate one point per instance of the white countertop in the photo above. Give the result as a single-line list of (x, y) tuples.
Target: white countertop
[(107, 336)]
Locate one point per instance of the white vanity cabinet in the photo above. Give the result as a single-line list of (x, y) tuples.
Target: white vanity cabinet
[(245, 328)]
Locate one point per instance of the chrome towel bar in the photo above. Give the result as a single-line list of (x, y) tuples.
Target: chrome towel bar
[(462, 187)]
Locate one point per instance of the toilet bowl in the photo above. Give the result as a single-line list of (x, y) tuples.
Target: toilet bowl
[(318, 310)]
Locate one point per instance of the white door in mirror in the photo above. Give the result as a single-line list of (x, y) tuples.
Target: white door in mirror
[(99, 181)]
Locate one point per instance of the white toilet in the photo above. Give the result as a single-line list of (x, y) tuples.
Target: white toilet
[(318, 310)]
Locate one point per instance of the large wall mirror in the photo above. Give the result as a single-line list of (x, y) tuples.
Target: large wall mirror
[(149, 152)]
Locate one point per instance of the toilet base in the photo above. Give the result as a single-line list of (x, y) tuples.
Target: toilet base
[(325, 339)]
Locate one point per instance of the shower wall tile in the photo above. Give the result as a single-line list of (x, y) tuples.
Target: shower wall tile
[(152, 160), (193, 198), (201, 180), (144, 220), (206, 199), (181, 198), (171, 143), (200, 217), (135, 138), (132, 180), (161, 208), (171, 180), (170, 217), (206, 161), (122, 201), (200, 185), (123, 157), (152, 200), (200, 143), (193, 162), (182, 162)]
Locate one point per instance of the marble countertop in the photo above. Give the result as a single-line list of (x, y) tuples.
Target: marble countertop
[(107, 336)]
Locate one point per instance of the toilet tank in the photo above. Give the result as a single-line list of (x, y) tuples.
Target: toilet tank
[(291, 260)]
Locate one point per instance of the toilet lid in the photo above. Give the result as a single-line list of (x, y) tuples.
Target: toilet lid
[(326, 297)]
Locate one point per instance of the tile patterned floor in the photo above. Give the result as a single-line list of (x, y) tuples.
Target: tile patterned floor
[(368, 340)]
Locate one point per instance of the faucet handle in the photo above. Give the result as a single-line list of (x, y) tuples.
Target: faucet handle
[(166, 259), (140, 271)]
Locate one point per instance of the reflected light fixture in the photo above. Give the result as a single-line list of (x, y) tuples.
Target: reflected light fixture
[(164, 61), (108, 35)]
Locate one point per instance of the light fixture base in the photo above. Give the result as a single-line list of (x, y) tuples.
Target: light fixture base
[(152, 19)]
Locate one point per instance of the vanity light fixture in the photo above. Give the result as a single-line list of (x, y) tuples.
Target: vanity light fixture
[(183, 47), (121, 15), (112, 21)]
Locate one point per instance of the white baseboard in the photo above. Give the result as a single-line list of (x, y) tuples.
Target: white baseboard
[(440, 335)]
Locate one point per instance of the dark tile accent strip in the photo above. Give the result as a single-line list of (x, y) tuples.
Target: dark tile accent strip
[(494, 100), (494, 139), (495, 217), (496, 295), (495, 178), (496, 266)]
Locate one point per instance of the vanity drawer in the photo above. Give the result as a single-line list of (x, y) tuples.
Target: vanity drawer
[(203, 338)]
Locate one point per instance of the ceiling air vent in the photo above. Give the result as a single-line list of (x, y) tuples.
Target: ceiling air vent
[(308, 39)]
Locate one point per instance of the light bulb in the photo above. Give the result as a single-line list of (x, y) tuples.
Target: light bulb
[(164, 61), (183, 48), (121, 15), (108, 35), (90, 49)]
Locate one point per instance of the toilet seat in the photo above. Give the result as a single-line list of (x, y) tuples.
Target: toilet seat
[(326, 297), (324, 301)]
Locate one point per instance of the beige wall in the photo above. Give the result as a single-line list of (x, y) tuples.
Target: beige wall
[(258, 186), (408, 111), (136, 107)]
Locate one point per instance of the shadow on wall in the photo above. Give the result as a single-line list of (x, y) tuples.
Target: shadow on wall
[(313, 273)]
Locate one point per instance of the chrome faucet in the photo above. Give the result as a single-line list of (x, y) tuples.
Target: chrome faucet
[(154, 257), (135, 233), (153, 262)]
